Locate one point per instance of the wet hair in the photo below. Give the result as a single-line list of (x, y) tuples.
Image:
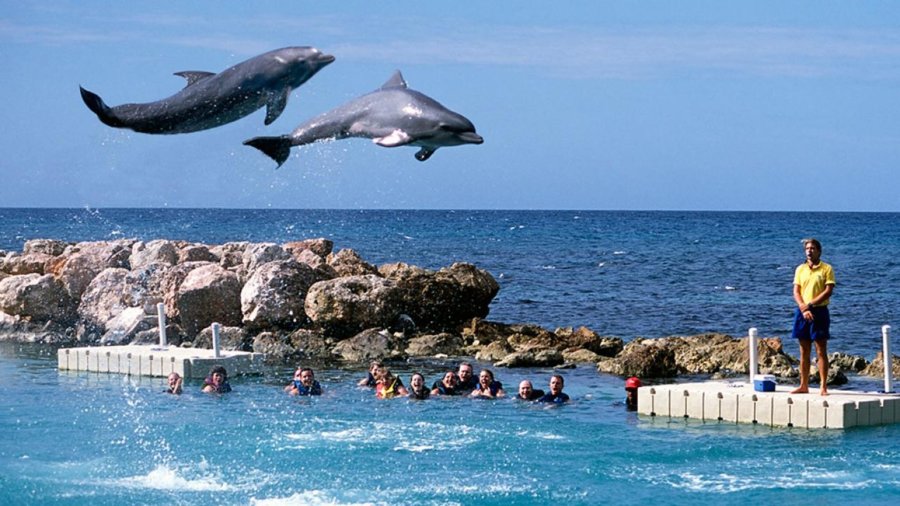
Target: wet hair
[(490, 373), (461, 364), (815, 242), (561, 379), (218, 369)]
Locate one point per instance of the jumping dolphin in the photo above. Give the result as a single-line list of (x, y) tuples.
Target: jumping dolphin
[(391, 116), (210, 100)]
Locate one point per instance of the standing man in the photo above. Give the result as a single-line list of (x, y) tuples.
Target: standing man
[(813, 284)]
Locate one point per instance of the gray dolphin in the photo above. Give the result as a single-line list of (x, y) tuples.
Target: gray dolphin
[(391, 116), (210, 100)]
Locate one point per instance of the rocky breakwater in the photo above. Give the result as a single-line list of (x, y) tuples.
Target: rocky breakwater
[(303, 301), (292, 300)]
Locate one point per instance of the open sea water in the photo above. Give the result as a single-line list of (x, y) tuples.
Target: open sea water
[(81, 438)]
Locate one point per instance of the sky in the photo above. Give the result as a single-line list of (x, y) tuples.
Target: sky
[(652, 105)]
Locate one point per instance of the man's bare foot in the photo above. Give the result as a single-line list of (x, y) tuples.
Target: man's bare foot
[(823, 392), (800, 390)]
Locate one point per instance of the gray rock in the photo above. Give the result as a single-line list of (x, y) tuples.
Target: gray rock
[(103, 300), (543, 358), (208, 294), (347, 305), (320, 247), (51, 247), (230, 338), (78, 266), (430, 345), (37, 298), (371, 344), (123, 327), (347, 262), (28, 263), (257, 254), (159, 251), (275, 295)]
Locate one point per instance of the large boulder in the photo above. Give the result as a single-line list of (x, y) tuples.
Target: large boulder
[(171, 282), (316, 263), (431, 345), (230, 254), (157, 251), (444, 299), (584, 338), (230, 338), (39, 298), (642, 358), (125, 326), (257, 254), (876, 368), (79, 264), (542, 358), (28, 263), (51, 247), (321, 247), (103, 300), (196, 253), (275, 295), (347, 305), (208, 294), (347, 262), (368, 345)]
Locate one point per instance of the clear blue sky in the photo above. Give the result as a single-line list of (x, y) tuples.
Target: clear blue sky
[(688, 105)]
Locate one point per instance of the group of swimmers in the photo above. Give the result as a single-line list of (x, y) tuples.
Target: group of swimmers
[(461, 382), (457, 383)]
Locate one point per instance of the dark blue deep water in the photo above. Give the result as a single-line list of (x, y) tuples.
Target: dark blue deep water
[(80, 438)]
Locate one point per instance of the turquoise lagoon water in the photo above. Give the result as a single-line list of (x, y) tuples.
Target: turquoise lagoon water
[(82, 438), (95, 439)]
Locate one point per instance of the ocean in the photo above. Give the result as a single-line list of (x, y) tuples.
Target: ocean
[(82, 438)]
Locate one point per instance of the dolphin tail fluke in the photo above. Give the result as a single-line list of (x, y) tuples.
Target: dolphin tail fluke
[(277, 148), (98, 107)]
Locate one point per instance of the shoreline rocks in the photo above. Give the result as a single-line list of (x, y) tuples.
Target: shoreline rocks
[(303, 301)]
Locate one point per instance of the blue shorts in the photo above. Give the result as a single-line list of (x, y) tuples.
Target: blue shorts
[(817, 329)]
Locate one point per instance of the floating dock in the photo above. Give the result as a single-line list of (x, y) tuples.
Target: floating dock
[(738, 402), (143, 360)]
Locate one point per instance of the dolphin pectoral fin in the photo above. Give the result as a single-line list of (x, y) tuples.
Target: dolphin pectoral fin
[(396, 81), (424, 154), (193, 76), (396, 138), (276, 104), (277, 148)]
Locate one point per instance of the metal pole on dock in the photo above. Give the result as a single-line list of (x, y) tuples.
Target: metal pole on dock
[(888, 359), (753, 350), (161, 318), (215, 339)]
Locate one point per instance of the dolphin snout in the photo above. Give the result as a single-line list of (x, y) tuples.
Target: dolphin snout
[(471, 138), (325, 59)]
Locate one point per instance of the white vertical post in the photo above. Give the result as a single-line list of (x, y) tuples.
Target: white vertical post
[(888, 359), (754, 367), (161, 318), (215, 333)]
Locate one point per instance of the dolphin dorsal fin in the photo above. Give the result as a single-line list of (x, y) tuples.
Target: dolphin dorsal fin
[(396, 81), (193, 76)]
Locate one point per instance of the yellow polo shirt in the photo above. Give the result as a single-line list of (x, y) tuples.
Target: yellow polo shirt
[(812, 280)]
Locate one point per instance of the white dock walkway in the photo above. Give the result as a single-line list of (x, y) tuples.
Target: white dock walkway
[(738, 402), (143, 360)]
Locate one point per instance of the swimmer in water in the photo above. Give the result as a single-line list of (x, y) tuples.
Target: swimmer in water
[(488, 388), (389, 386), (528, 393), (556, 394), (447, 385), (304, 383), (217, 381), (175, 382), (417, 388)]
